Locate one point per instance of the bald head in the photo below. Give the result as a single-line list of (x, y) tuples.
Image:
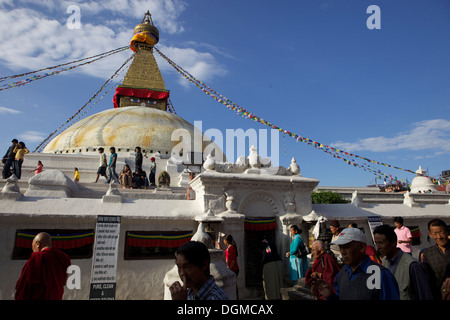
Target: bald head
[(41, 241), (317, 248), (318, 244)]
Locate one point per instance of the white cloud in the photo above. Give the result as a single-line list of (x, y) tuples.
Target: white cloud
[(425, 135), (202, 65), (165, 13), (8, 110), (41, 42), (31, 40), (32, 136)]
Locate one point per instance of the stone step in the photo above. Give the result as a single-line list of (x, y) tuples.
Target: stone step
[(97, 190)]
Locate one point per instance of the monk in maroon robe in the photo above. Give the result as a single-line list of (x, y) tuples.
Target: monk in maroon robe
[(45, 273), (325, 267)]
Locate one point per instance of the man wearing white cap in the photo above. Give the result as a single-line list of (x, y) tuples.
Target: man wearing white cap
[(360, 278)]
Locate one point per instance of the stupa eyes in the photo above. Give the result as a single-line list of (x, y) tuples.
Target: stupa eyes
[(144, 101)]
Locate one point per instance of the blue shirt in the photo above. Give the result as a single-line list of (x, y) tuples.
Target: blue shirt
[(209, 291), (388, 285), (112, 162), (296, 242)]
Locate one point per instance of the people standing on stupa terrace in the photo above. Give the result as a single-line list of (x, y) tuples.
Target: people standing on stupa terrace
[(112, 175), (76, 175), (20, 151), (152, 175), (102, 165), (409, 273), (437, 257), (8, 160), (138, 159)]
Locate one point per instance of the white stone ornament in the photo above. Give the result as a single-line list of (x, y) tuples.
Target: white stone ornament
[(294, 168), (421, 183), (209, 164), (202, 236), (11, 189), (253, 158)]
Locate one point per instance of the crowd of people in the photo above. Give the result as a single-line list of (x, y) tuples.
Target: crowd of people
[(128, 179), (341, 268), (398, 187), (346, 271), (349, 274)]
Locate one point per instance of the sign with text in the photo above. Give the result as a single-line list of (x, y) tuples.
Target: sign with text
[(104, 260), (374, 222)]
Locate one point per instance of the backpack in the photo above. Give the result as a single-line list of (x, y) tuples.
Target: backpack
[(302, 250)]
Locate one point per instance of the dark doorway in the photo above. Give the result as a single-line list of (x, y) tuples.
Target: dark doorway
[(253, 257)]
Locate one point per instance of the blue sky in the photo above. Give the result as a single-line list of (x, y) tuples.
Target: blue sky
[(310, 67)]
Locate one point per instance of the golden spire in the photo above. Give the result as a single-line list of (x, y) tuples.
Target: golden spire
[(145, 33), (144, 72)]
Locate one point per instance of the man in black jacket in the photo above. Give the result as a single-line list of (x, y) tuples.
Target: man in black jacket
[(8, 160), (138, 160)]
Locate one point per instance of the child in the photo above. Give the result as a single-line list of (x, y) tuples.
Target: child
[(76, 175), (152, 174), (38, 169)]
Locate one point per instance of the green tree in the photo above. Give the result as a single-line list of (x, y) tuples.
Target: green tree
[(327, 197)]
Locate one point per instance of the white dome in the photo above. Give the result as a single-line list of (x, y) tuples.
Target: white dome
[(123, 128), (422, 184)]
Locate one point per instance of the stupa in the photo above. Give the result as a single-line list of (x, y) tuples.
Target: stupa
[(247, 199), (421, 183), (140, 116)]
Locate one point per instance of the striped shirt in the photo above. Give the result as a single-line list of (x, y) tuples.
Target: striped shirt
[(209, 291)]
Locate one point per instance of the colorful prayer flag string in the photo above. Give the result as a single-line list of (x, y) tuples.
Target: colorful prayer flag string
[(45, 141), (170, 106), (64, 64), (348, 157), (48, 74)]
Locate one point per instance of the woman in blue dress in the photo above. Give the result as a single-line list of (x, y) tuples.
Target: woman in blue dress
[(297, 266)]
